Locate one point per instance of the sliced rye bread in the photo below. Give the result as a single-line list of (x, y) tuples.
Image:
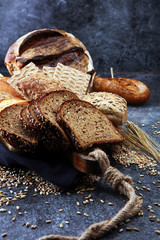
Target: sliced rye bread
[(47, 106), (86, 126), (34, 126), (12, 130), (25, 119)]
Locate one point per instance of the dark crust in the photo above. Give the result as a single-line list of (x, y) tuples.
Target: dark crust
[(18, 142), (71, 135), (54, 134), (73, 53), (35, 36), (36, 124), (27, 124)]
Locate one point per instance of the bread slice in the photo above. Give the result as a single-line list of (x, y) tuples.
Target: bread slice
[(25, 119), (72, 79), (114, 106), (8, 102), (12, 130), (86, 126), (47, 106)]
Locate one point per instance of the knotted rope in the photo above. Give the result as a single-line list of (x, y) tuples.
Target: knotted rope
[(124, 185)]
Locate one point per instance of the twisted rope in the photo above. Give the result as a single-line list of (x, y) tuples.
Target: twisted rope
[(124, 185)]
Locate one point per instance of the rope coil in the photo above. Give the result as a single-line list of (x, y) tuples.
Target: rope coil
[(124, 185)]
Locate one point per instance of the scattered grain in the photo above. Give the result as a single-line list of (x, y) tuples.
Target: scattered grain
[(60, 210), (136, 229), (158, 232), (85, 214), (48, 221), (4, 234), (128, 229), (61, 225), (27, 224), (13, 219), (33, 226), (110, 204)]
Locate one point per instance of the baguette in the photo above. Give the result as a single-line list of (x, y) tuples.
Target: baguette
[(134, 91)]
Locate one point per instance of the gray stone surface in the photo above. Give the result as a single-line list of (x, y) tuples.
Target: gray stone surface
[(36, 211), (123, 34)]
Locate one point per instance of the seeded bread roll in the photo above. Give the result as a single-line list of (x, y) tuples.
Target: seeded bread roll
[(114, 106), (86, 126), (12, 130)]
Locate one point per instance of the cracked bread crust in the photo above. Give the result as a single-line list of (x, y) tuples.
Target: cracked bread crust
[(75, 138), (47, 47)]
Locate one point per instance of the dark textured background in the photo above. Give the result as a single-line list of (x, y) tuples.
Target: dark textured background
[(124, 34)]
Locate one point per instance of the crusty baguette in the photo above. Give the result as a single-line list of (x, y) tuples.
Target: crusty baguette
[(134, 91)]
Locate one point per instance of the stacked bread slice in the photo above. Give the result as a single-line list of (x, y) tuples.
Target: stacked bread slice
[(60, 121)]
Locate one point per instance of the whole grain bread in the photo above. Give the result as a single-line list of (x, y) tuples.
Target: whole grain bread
[(86, 126), (114, 106), (12, 130), (47, 106)]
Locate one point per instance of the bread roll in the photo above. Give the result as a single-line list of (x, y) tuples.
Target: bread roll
[(47, 47), (134, 91), (114, 106)]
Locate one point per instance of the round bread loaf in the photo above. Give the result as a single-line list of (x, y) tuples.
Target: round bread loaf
[(47, 47), (114, 106)]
